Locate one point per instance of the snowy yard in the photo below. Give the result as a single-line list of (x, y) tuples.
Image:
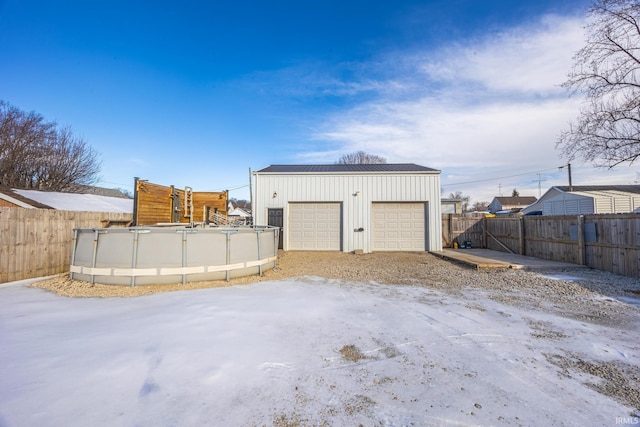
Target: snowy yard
[(311, 351)]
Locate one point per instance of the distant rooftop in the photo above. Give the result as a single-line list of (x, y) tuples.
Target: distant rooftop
[(384, 167), (99, 191), (516, 200)]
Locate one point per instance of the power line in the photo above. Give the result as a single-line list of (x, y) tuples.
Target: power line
[(500, 177), (239, 187)]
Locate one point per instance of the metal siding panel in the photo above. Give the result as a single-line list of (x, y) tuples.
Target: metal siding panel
[(621, 204), (571, 207), (587, 206)]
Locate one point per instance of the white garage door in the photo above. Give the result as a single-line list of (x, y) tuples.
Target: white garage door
[(314, 226), (398, 226)]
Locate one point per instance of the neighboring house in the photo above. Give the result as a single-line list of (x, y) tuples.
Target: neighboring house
[(233, 211), (361, 208), (589, 199), (451, 206), (35, 199), (513, 204)]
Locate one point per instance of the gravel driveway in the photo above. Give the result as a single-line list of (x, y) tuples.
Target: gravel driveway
[(406, 268)]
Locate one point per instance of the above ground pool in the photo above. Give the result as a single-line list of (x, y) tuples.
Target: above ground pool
[(162, 255)]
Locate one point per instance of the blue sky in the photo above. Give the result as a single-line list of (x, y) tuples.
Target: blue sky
[(197, 92)]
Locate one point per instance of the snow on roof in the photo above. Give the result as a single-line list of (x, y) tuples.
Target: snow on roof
[(78, 202)]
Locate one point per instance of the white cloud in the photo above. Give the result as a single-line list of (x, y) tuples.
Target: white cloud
[(445, 135), (528, 59), (488, 109)]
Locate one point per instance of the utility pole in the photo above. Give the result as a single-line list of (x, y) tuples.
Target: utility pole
[(251, 192), (500, 190), (568, 165), (539, 184)]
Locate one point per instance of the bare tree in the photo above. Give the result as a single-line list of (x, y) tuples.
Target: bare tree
[(463, 198), (361, 158), (241, 203), (36, 154), (480, 206), (607, 71)]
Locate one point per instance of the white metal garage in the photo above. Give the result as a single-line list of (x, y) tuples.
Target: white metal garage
[(351, 208), (398, 226), (314, 226)]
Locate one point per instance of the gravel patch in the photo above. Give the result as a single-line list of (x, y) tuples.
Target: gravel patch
[(401, 268), (620, 381), (352, 353)]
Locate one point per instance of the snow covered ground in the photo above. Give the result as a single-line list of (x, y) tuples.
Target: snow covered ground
[(304, 352)]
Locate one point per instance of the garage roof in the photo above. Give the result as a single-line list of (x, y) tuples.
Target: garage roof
[(385, 167)]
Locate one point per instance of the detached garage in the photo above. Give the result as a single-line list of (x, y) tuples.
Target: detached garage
[(378, 207)]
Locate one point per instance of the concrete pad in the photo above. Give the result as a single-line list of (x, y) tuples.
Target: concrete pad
[(487, 258)]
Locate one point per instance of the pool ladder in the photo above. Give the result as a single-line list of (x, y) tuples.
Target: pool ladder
[(188, 203)]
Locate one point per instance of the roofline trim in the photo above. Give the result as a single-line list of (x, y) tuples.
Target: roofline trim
[(431, 172), (16, 201)]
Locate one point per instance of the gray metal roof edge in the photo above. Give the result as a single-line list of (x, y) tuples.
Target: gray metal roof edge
[(628, 188), (384, 168)]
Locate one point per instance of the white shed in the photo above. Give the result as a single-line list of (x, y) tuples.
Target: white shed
[(584, 200), (376, 207)]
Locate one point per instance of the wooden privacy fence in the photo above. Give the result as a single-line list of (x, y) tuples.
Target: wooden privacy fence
[(37, 242), (609, 242)]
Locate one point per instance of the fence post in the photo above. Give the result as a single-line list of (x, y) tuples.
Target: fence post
[(521, 246), (484, 233), (450, 230), (581, 249)]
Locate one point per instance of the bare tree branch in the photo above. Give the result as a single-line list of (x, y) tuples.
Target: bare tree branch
[(361, 158), (607, 71), (35, 154)]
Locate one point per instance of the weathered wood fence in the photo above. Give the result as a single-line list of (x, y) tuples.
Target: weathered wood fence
[(609, 242), (37, 242)]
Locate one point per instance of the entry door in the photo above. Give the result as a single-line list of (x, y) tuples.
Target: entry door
[(275, 219)]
